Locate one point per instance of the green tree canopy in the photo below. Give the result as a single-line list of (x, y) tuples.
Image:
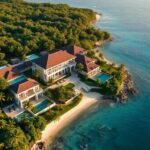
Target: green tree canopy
[(30, 28), (3, 84)]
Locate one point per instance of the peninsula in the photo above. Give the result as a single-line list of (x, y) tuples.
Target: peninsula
[(51, 69)]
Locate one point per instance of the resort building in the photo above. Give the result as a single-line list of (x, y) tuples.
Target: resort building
[(55, 65), (89, 67), (26, 90)]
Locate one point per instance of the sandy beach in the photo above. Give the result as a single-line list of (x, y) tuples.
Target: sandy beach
[(98, 17), (53, 128)]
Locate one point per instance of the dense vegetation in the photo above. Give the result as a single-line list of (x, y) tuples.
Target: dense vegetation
[(62, 93), (113, 86), (21, 135), (29, 28)]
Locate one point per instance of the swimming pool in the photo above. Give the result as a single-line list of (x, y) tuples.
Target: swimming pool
[(32, 57), (103, 77), (17, 80), (42, 105), (23, 115)]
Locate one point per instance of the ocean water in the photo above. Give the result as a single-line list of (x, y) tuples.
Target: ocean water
[(110, 126)]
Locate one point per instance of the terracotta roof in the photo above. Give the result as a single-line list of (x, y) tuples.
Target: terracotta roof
[(11, 75), (50, 60), (24, 85), (74, 50), (88, 63), (8, 73)]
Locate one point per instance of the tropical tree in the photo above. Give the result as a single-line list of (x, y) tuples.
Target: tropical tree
[(3, 84), (2, 98), (15, 139), (28, 105), (101, 56), (9, 97), (36, 73), (39, 122), (79, 66)]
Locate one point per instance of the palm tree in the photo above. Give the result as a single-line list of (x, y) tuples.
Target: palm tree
[(79, 66), (28, 105), (2, 97), (9, 97)]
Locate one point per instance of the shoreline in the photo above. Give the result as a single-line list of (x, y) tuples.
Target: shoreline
[(53, 128)]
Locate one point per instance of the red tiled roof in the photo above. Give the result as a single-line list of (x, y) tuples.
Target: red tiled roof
[(88, 63), (50, 60), (8, 73), (91, 66), (24, 85), (11, 75), (74, 50)]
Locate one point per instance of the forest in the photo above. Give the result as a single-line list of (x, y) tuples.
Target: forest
[(30, 28)]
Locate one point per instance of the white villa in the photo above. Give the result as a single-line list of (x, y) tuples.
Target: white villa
[(25, 91), (55, 65)]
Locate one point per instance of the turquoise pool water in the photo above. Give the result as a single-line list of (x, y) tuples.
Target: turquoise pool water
[(41, 106), (19, 79), (23, 115), (32, 57), (103, 77)]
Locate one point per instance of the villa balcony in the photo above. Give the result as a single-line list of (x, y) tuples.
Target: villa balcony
[(30, 94), (72, 63)]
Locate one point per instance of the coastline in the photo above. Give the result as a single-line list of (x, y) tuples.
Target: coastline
[(53, 128), (89, 99)]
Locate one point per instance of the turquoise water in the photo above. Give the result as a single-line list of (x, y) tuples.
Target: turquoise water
[(17, 80), (113, 126), (103, 77), (24, 115), (41, 106), (32, 57)]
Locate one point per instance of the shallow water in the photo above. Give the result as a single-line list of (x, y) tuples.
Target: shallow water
[(110, 126)]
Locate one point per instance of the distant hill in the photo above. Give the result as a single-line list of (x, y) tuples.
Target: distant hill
[(29, 28)]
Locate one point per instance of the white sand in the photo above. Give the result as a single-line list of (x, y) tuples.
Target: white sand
[(54, 127), (98, 17)]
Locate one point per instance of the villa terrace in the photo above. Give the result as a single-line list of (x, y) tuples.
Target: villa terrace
[(13, 110)]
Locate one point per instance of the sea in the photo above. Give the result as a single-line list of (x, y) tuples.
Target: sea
[(108, 125)]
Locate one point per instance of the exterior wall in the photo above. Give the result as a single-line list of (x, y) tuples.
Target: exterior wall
[(57, 71), (41, 70), (93, 72)]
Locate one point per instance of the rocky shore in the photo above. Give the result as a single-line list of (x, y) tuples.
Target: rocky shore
[(127, 90)]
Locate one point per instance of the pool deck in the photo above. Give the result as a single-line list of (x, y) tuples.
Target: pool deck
[(12, 113), (36, 102)]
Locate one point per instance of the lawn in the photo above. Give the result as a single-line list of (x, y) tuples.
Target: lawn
[(61, 94)]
